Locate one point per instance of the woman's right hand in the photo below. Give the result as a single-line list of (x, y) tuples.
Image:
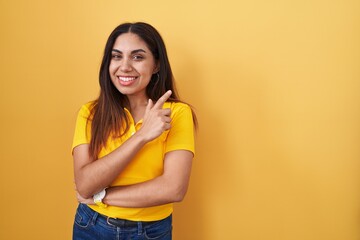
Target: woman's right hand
[(156, 119)]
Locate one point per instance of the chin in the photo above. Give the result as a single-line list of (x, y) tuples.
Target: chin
[(128, 92)]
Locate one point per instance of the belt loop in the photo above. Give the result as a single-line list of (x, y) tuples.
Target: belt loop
[(140, 228), (96, 214)]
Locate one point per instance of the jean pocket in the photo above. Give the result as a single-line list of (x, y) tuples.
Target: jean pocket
[(159, 231), (82, 218), (162, 235)]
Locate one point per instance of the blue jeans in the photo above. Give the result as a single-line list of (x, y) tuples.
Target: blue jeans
[(90, 225)]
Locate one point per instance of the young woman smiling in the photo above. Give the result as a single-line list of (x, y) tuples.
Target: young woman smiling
[(133, 146)]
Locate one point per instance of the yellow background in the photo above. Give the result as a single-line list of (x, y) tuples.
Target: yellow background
[(276, 89)]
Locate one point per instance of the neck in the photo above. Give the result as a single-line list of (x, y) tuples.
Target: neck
[(137, 101)]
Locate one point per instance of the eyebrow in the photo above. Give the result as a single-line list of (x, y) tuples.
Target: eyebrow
[(132, 52)]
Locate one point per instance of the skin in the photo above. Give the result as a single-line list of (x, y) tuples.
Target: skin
[(132, 60)]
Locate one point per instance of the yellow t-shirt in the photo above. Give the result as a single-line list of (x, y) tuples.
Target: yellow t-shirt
[(148, 163)]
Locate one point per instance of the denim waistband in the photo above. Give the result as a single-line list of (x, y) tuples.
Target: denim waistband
[(116, 222)]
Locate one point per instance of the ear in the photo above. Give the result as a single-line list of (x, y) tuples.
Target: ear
[(157, 68)]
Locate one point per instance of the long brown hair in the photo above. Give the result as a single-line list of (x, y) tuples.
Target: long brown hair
[(107, 113)]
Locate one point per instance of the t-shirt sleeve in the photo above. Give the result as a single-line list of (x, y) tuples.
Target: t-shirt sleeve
[(181, 134), (82, 131)]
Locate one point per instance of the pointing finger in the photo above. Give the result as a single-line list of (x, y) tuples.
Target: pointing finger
[(162, 99), (149, 106)]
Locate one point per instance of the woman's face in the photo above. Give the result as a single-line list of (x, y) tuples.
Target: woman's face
[(132, 65)]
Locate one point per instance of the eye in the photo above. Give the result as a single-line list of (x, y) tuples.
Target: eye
[(138, 57), (115, 56)]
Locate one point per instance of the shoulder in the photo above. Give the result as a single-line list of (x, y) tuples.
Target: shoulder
[(177, 106), (179, 109), (86, 109)]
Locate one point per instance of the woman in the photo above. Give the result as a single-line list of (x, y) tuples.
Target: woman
[(133, 146)]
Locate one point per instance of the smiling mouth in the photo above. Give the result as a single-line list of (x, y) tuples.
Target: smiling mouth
[(126, 79)]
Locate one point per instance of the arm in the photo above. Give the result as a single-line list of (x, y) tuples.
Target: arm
[(170, 187), (93, 175)]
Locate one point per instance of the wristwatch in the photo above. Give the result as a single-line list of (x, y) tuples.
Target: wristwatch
[(98, 197)]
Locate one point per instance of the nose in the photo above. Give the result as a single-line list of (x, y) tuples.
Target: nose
[(125, 65)]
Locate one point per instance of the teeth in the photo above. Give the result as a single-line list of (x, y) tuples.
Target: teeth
[(127, 79)]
